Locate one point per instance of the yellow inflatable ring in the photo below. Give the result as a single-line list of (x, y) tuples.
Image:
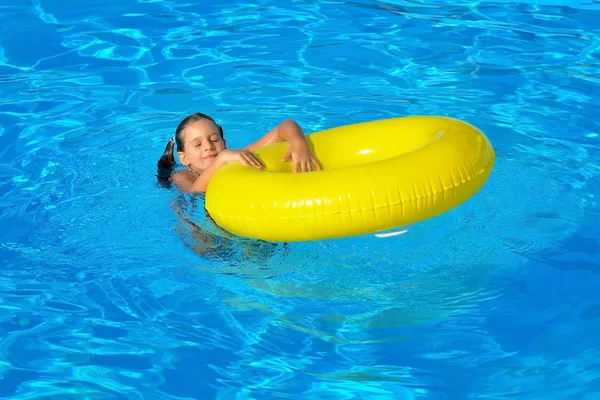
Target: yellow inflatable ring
[(376, 176)]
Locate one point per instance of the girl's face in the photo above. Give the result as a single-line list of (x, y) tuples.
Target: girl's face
[(201, 143)]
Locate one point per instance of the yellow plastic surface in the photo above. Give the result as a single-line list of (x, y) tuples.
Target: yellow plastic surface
[(376, 176)]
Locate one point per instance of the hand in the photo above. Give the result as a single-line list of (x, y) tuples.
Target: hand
[(303, 158), (246, 157)]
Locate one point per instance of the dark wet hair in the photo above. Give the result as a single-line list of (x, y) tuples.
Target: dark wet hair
[(166, 163)]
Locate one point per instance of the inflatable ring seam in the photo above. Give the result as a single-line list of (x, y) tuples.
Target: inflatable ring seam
[(390, 204)]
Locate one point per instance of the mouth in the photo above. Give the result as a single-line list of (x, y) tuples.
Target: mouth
[(210, 156)]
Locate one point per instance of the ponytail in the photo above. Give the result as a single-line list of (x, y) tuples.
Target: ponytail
[(166, 165)]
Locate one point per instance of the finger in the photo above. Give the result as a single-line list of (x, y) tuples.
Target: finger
[(257, 162), (295, 166), (252, 159), (304, 167), (252, 162), (244, 160), (316, 163)]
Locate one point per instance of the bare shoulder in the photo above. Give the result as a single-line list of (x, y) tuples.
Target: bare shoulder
[(183, 180)]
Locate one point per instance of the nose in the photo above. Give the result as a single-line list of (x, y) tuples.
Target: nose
[(210, 146)]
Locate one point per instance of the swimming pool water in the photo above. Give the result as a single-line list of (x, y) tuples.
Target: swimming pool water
[(114, 288)]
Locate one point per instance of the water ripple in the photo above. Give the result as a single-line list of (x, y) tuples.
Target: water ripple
[(113, 288)]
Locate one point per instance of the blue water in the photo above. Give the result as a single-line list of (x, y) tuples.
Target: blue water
[(114, 288)]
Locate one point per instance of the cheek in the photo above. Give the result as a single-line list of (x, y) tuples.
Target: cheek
[(192, 154), (197, 151)]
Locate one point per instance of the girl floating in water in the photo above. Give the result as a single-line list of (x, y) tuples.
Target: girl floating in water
[(201, 147)]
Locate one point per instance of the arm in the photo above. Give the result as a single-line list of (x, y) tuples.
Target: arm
[(223, 158), (201, 181), (289, 131), (286, 131)]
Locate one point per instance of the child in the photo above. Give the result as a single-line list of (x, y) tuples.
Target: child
[(202, 148)]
